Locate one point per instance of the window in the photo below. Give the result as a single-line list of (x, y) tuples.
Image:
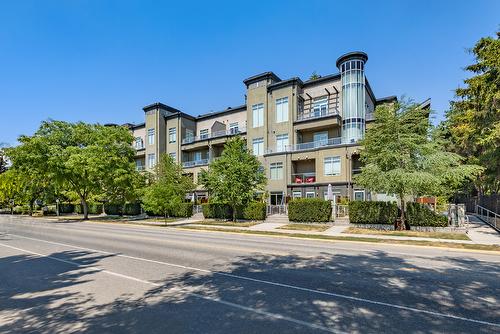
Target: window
[(282, 110), (258, 115), (277, 198), (258, 146), (197, 156), (151, 136), (151, 160), (172, 135), (276, 170), (320, 138), (189, 134), (139, 143), (281, 142), (332, 166), (173, 155), (204, 134), (310, 194), (359, 195), (138, 165), (297, 194), (320, 106), (234, 128)]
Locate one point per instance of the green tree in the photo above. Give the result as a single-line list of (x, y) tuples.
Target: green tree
[(314, 76), (3, 161), (10, 188), (167, 187), (400, 156), (473, 121), (80, 158), (234, 177)]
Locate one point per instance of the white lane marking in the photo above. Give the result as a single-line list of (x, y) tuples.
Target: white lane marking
[(283, 285), (213, 299)]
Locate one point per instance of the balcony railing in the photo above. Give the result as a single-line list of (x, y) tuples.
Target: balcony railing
[(140, 168), (304, 178), (307, 146), (312, 114), (216, 134), (201, 162)]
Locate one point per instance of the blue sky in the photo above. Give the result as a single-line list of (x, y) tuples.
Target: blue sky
[(102, 61)]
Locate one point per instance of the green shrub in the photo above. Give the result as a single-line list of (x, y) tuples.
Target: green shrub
[(50, 210), (132, 209), (21, 210), (182, 210), (66, 208), (217, 211), (420, 215), (253, 211), (371, 212), (113, 209), (309, 210)]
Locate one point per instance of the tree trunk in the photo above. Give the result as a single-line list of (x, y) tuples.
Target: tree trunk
[(400, 223), (85, 209), (234, 213), (31, 208)]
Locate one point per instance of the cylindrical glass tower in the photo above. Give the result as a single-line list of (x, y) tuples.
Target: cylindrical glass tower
[(352, 70)]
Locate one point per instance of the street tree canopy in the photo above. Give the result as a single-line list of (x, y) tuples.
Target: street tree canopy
[(473, 121), (235, 176), (83, 159), (167, 188), (400, 157)]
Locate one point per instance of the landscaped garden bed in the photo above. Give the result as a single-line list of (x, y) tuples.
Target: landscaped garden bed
[(306, 227), (434, 235)]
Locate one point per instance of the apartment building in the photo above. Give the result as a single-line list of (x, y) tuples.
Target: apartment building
[(305, 133)]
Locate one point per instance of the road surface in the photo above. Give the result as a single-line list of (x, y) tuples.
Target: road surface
[(95, 278)]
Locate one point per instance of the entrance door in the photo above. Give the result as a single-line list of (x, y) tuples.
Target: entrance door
[(277, 198)]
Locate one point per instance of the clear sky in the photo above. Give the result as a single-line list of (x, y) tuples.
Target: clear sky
[(102, 61)]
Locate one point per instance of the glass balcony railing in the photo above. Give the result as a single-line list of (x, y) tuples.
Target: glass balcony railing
[(216, 134), (307, 146), (316, 113), (304, 178), (201, 162)]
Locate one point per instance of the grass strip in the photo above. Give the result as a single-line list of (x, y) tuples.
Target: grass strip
[(306, 227), (495, 248), (434, 235), (226, 223)]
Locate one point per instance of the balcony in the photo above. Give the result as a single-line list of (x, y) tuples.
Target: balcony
[(307, 146), (304, 178), (317, 113), (194, 163), (217, 134)]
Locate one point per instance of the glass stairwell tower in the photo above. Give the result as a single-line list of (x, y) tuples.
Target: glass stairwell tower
[(352, 71)]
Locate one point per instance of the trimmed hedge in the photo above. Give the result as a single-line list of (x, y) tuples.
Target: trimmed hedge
[(419, 215), (217, 211), (184, 210), (372, 212), (254, 211), (132, 209), (21, 210), (309, 210), (66, 208)]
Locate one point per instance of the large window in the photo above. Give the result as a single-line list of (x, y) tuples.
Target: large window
[(139, 143), (282, 110), (258, 115), (320, 106), (281, 142), (189, 134), (234, 128), (320, 138), (332, 166), (151, 160), (173, 155), (151, 136), (204, 134), (197, 156), (172, 135), (276, 171), (258, 146)]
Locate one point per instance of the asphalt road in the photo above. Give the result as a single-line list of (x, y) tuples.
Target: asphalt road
[(107, 278)]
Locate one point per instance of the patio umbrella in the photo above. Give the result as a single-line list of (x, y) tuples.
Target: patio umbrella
[(329, 193), (192, 197)]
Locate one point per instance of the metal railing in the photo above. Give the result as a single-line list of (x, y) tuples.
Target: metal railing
[(312, 114), (489, 217), (216, 134), (341, 210), (307, 146), (194, 163), (304, 178), (277, 209)]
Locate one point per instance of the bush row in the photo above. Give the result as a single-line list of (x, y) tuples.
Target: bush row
[(309, 210), (184, 210), (251, 211), (365, 212)]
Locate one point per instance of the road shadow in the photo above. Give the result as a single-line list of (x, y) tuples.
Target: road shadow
[(197, 302)]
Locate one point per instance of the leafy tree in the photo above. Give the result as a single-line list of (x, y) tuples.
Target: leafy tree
[(10, 188), (473, 121), (314, 76), (235, 177), (400, 156), (167, 188), (3, 161), (80, 158)]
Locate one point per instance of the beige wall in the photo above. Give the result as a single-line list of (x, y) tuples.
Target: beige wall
[(226, 119)]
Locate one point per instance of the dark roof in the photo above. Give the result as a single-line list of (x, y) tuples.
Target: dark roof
[(159, 105), (426, 104), (284, 83), (322, 79), (222, 112), (387, 99), (260, 77), (354, 54)]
